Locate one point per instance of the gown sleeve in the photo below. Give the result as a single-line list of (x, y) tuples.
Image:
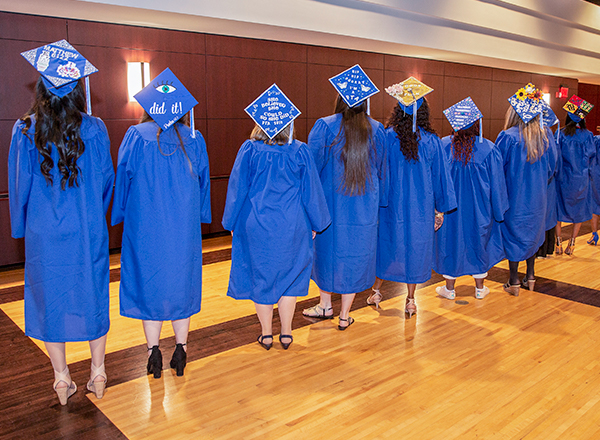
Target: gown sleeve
[(19, 180), (497, 185), (204, 181), (313, 197), (317, 140), (237, 189), (108, 171), (125, 172), (443, 187)]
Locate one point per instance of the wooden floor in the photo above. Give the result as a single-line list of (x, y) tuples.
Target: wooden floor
[(505, 367)]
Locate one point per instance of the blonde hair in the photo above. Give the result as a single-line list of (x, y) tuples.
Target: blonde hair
[(280, 138), (535, 138)]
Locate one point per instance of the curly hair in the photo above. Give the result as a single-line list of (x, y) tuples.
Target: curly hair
[(402, 124), (57, 122), (463, 142)]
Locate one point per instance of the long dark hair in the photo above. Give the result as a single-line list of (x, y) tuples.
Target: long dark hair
[(402, 124), (358, 149), (57, 122), (571, 126), (463, 142), (185, 120)]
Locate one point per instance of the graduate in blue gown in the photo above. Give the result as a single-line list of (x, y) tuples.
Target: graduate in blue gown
[(349, 150), (420, 185), (470, 241), (574, 190), (528, 165), (595, 183), (550, 120), (60, 185), (162, 195), (274, 202)]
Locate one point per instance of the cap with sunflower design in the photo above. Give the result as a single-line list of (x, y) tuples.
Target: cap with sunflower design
[(527, 102)]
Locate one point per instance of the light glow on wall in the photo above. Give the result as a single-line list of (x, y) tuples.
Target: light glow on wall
[(138, 77), (546, 97)]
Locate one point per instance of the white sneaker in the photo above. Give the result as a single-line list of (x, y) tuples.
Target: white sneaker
[(481, 293), (442, 291)]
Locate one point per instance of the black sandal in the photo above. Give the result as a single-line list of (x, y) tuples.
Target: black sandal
[(284, 344), (260, 340), (350, 321), (155, 362)]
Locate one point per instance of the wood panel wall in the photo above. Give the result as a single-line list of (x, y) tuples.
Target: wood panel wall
[(225, 74)]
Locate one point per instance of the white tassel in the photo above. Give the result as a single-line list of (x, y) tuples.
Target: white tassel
[(291, 137), (414, 116), (480, 130), (192, 123), (369, 106), (88, 98)]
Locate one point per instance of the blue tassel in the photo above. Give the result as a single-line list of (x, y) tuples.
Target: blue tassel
[(88, 98), (414, 116), (192, 123), (480, 130)]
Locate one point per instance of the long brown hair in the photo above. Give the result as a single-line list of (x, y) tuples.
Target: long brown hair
[(402, 124), (358, 150), (531, 133), (57, 122), (463, 142), (185, 120)]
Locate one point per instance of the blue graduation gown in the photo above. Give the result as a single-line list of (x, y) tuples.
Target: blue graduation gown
[(66, 238), (574, 194), (345, 253), (162, 204), (470, 240), (274, 201), (524, 226), (554, 158), (406, 226), (595, 178)]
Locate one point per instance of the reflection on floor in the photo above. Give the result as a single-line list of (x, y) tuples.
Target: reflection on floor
[(502, 367)]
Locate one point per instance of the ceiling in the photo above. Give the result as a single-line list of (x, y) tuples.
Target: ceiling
[(553, 37)]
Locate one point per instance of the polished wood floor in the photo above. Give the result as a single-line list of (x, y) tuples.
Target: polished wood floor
[(505, 367)]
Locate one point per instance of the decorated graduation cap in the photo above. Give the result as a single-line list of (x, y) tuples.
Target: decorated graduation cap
[(463, 114), (409, 94), (354, 86), (166, 100), (528, 103), (273, 111), (578, 108), (61, 66)]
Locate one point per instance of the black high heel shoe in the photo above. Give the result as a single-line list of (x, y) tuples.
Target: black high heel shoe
[(155, 362), (261, 338), (286, 345), (178, 361)]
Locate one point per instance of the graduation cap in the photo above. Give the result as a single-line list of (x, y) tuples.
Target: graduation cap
[(528, 103), (354, 86), (273, 111), (463, 114), (409, 94), (61, 66), (578, 108), (166, 100)]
